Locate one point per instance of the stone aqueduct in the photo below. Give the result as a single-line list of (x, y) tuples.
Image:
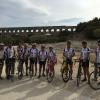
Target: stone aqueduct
[(45, 29)]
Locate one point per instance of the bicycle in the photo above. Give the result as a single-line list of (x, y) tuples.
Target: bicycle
[(50, 71), (20, 70), (94, 78), (65, 72), (79, 72)]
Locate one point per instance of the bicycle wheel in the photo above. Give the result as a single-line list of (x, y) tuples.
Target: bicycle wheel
[(79, 76), (94, 81), (50, 76), (78, 80), (65, 75)]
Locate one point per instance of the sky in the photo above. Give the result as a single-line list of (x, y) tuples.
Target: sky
[(47, 12)]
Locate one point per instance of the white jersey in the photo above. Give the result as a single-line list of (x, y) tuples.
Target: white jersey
[(85, 53), (9, 52), (98, 55), (51, 55), (68, 53), (42, 55), (21, 53), (2, 54), (33, 53)]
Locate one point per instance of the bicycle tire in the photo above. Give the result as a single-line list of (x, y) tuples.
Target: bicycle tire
[(91, 80), (67, 75), (79, 76), (49, 77)]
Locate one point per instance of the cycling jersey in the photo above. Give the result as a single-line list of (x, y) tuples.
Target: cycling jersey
[(42, 55), (33, 53), (68, 53), (52, 56), (97, 55), (85, 54), (9, 53), (21, 53)]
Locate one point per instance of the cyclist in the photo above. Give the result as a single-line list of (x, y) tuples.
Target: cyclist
[(26, 56), (97, 60), (33, 55), (51, 59), (84, 57), (1, 58), (10, 61), (20, 51), (42, 57), (69, 53)]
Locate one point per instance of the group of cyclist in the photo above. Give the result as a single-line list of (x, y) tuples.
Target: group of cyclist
[(31, 56), (84, 58)]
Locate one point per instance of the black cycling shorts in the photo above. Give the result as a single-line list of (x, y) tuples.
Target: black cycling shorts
[(42, 63), (33, 60), (69, 62), (85, 63)]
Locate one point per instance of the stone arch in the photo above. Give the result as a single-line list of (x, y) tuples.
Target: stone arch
[(47, 30), (22, 31), (42, 30), (18, 31), (58, 30), (9, 31), (36, 30), (52, 30), (0, 31), (63, 29), (32, 30), (14, 31), (5, 31), (27, 31), (74, 29), (69, 29)]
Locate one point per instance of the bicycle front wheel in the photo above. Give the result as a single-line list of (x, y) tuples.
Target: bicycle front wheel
[(94, 80), (50, 76), (65, 75)]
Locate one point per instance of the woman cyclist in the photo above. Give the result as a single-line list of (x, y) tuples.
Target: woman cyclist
[(51, 59)]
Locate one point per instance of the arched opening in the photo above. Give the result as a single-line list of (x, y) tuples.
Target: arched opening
[(9, 31), (22, 31), (69, 29), (13, 31), (42, 30), (74, 29), (63, 29), (58, 30), (32, 30), (27, 31), (37, 30), (47, 30), (0, 31), (18, 31), (5, 31), (52, 30)]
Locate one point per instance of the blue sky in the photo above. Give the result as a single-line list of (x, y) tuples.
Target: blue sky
[(47, 12)]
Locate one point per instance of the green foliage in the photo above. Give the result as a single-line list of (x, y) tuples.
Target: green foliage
[(88, 28), (31, 38), (96, 33)]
